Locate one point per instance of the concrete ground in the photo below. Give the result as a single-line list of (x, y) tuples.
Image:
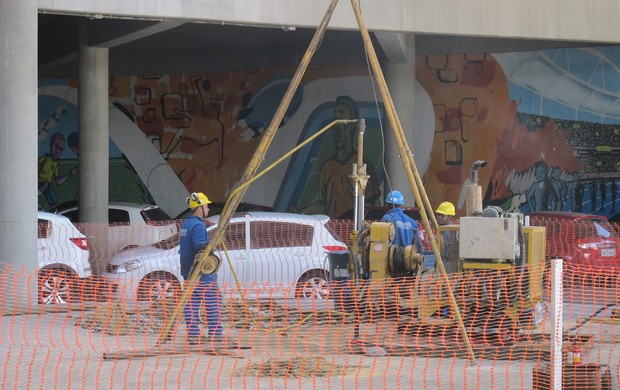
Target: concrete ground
[(67, 350)]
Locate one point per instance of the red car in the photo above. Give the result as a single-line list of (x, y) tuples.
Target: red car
[(587, 242)]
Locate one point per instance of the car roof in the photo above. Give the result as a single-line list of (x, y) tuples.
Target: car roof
[(53, 217), (218, 206), (565, 215), (133, 205), (129, 205), (274, 215)]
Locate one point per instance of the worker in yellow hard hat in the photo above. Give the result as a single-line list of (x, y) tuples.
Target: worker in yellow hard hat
[(194, 237), (444, 213)]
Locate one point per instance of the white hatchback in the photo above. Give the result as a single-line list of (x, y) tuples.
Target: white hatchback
[(63, 257), (130, 225), (272, 254)]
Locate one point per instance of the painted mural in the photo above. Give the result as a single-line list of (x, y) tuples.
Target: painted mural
[(59, 147), (546, 122)]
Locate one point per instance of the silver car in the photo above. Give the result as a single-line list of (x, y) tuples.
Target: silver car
[(63, 257), (272, 254), (130, 225)]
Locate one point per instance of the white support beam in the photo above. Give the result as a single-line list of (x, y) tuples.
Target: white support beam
[(573, 20)]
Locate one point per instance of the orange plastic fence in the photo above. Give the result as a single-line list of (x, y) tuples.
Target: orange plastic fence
[(296, 328)]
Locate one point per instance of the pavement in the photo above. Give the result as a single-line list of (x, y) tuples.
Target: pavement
[(64, 350)]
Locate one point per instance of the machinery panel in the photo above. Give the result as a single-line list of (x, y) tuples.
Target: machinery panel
[(535, 239), (488, 238)]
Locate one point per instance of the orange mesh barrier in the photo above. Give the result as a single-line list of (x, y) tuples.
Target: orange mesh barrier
[(289, 325)]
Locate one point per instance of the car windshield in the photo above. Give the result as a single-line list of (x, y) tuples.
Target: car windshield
[(594, 228), (154, 214), (602, 231)]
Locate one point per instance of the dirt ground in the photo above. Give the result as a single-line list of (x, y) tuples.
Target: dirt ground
[(283, 345)]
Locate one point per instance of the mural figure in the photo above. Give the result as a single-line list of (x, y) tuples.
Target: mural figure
[(50, 123), (557, 204), (541, 190), (73, 141), (48, 170), (336, 192), (593, 196), (575, 193), (516, 202), (603, 189)]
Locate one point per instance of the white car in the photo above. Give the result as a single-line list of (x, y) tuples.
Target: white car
[(63, 257), (130, 225), (273, 255)]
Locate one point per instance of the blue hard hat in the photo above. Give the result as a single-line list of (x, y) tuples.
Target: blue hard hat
[(395, 197)]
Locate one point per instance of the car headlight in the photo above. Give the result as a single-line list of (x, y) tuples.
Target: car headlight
[(128, 266)]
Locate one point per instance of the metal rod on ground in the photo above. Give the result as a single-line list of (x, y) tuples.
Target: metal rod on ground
[(409, 165), (257, 159)]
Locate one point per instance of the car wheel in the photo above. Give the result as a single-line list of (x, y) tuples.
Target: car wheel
[(54, 286), (313, 284), (158, 287)]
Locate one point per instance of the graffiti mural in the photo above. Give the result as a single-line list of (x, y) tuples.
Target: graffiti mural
[(206, 126), (59, 147), (328, 189), (546, 122), (472, 110)]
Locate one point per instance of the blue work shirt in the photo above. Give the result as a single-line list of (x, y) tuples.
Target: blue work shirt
[(194, 237), (406, 228)]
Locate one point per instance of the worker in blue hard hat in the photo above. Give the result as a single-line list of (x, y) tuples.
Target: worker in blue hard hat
[(406, 228)]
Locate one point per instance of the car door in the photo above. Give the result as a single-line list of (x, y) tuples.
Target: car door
[(280, 252), (120, 232), (235, 239)]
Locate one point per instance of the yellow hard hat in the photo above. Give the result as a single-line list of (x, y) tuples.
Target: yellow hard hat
[(197, 199), (446, 208)]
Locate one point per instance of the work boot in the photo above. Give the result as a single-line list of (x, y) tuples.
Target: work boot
[(198, 340), (223, 341)]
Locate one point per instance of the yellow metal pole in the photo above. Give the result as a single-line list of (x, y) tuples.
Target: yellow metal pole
[(257, 159), (408, 163)]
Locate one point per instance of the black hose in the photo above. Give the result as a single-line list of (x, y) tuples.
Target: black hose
[(589, 318), (357, 263)]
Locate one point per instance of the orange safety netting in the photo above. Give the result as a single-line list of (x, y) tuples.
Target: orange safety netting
[(289, 324)]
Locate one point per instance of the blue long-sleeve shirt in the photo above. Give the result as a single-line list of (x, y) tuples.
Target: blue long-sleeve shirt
[(194, 237), (407, 230)]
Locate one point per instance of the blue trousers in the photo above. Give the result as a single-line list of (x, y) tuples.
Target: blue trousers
[(207, 292)]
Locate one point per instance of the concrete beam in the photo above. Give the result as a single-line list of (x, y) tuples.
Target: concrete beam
[(576, 20), (71, 58), (393, 46)]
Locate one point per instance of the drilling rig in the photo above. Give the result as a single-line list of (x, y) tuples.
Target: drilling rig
[(377, 264), (489, 276)]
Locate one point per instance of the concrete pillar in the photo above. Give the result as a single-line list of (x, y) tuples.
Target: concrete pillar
[(18, 155), (93, 157), (400, 78)]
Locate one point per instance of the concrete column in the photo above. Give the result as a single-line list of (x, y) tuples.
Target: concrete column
[(18, 155), (93, 158), (400, 78)]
